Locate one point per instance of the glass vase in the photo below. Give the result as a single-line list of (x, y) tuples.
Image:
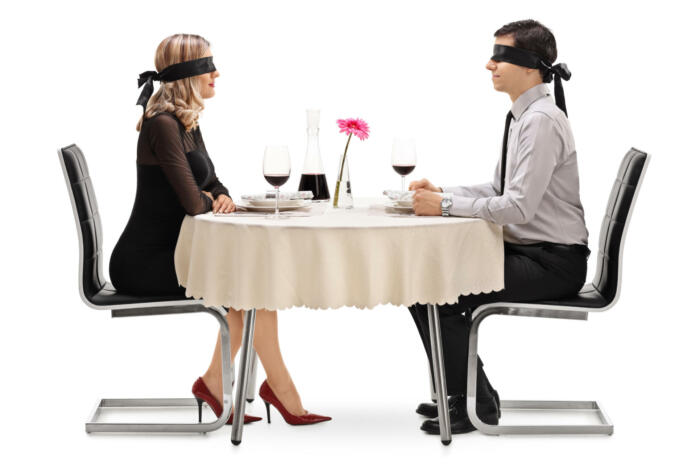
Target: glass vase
[(343, 196)]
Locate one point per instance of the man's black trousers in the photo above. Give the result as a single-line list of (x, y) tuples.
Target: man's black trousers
[(532, 272)]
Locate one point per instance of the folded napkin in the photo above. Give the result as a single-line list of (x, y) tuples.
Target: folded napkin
[(398, 195), (271, 194)]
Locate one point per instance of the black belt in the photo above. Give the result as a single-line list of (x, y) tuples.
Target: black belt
[(559, 247)]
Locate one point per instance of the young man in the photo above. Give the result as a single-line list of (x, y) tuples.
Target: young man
[(534, 196)]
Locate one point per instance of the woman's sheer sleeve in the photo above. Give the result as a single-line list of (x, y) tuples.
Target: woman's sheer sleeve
[(216, 188), (168, 148)]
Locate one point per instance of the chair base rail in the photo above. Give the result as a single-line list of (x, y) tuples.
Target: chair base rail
[(156, 310), (93, 425), (604, 428), (512, 309)]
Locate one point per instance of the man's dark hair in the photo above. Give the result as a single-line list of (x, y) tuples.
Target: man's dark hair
[(533, 36)]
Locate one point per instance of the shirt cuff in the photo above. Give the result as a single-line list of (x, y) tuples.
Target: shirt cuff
[(462, 206), (452, 190)]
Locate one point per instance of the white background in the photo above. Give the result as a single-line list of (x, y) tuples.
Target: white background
[(417, 68)]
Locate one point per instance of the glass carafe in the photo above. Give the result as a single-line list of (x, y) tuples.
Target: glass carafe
[(313, 176)]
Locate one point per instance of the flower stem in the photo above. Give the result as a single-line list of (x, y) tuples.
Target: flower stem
[(340, 173)]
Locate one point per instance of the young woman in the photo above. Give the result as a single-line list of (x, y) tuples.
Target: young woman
[(176, 177)]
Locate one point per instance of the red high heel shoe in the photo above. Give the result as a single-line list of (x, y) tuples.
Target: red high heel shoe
[(201, 392), (269, 398)]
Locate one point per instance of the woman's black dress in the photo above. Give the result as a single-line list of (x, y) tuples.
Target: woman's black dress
[(173, 169)]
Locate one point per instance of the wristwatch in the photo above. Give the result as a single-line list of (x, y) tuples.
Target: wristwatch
[(446, 204)]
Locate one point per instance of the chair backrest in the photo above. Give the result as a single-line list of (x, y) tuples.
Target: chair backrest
[(89, 231), (623, 196)]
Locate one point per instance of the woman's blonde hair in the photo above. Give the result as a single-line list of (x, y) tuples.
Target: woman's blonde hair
[(181, 97)]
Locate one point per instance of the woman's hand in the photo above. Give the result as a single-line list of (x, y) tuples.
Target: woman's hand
[(209, 195), (223, 204)]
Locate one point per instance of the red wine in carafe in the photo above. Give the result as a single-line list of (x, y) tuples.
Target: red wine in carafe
[(317, 184)]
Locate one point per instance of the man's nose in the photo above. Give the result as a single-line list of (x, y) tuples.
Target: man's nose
[(491, 65)]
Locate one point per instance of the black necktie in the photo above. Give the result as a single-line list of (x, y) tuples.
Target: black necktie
[(503, 163)]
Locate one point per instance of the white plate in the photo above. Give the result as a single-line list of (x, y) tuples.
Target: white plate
[(406, 203), (271, 209), (272, 202)]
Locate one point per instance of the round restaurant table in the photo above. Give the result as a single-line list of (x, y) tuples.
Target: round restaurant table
[(330, 258)]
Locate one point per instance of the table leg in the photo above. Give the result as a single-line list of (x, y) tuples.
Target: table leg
[(251, 388), (438, 370), (227, 366), (244, 370)]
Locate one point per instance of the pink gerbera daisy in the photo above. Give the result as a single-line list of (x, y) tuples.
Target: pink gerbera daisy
[(354, 126)]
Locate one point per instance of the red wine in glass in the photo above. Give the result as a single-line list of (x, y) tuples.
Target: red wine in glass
[(276, 169), (404, 169), (276, 181), (404, 158)]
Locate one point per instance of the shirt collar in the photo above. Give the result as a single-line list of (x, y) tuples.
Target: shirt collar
[(527, 98)]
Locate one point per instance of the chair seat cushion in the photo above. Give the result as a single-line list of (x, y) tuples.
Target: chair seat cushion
[(587, 297), (108, 296)]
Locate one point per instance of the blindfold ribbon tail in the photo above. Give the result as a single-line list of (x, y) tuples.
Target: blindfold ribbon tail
[(146, 93)]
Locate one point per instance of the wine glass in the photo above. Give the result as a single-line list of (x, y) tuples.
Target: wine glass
[(403, 158), (276, 169)]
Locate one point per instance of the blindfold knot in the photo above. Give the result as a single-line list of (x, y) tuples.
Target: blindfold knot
[(147, 76)]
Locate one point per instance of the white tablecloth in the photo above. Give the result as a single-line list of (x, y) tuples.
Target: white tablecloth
[(359, 257)]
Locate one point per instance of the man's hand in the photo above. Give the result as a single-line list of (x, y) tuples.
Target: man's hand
[(223, 204), (423, 184), (427, 203)]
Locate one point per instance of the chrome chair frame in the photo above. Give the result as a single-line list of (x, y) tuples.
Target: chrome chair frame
[(605, 427), (166, 307)]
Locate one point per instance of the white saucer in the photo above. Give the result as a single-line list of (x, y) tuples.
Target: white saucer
[(401, 208), (271, 203), (271, 208)]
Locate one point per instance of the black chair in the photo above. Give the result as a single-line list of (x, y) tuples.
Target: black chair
[(98, 293), (599, 295)]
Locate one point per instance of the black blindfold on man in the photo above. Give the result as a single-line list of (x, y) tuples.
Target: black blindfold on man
[(528, 59)]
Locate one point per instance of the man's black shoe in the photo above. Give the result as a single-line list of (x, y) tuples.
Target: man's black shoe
[(459, 420), (430, 409)]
